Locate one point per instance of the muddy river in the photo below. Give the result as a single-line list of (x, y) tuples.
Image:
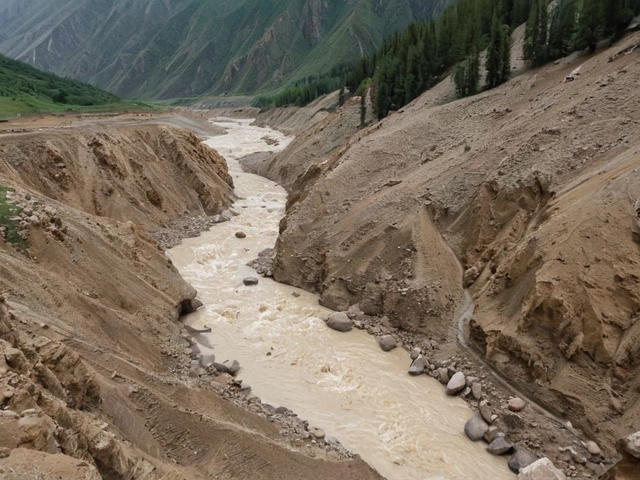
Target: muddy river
[(405, 427)]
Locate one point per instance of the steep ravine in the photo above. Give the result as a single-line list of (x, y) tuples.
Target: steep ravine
[(342, 383)]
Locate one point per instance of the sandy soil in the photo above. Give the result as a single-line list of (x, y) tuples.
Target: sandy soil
[(94, 373), (534, 186)]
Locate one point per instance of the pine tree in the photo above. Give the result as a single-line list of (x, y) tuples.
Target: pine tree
[(535, 42), (562, 30), (363, 107), (494, 53), (341, 96), (467, 75), (590, 25), (505, 54)]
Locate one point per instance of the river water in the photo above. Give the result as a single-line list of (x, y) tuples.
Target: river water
[(405, 427)]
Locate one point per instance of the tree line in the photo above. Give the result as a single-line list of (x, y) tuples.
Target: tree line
[(414, 60)]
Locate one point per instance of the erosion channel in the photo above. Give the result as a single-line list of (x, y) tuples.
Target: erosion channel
[(405, 427)]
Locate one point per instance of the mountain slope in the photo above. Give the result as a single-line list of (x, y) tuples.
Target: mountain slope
[(181, 48), (533, 186), (24, 89)]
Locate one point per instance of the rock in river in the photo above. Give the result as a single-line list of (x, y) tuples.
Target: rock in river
[(250, 281), (388, 343), (241, 235), (476, 427), (231, 367), (418, 365), (340, 321), (521, 459), (499, 446), (456, 384)]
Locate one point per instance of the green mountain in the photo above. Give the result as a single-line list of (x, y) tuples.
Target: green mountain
[(183, 48), (25, 89)]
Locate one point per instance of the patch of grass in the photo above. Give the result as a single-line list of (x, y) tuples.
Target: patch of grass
[(26, 90), (9, 213)]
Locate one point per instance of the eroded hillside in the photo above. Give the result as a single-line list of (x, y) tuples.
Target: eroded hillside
[(535, 188), (96, 373)]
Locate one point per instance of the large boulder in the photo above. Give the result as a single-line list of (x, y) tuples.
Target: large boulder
[(542, 469), (339, 321), (476, 427), (388, 343), (631, 444), (456, 384), (418, 365), (499, 446), (521, 459), (228, 366)]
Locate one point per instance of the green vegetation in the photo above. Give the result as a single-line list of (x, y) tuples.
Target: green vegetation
[(24, 89), (410, 62), (8, 214), (304, 91), (575, 25)]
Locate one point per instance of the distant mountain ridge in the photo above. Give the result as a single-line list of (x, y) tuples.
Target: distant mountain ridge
[(185, 48)]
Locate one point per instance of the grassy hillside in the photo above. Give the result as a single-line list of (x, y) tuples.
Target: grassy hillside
[(24, 89), (165, 49)]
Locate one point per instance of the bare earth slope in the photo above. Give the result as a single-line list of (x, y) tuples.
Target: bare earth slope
[(94, 377), (535, 187)]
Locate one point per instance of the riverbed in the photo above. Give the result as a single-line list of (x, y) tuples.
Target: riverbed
[(405, 427)]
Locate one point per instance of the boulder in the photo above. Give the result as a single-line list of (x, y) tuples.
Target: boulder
[(250, 281), (316, 432), (190, 306), (388, 343), (230, 367), (521, 459), (542, 469), (333, 441), (207, 359), (516, 404), (443, 375), (417, 366), (492, 434), (415, 353), (499, 446), (456, 384), (476, 390), (339, 321), (233, 366), (241, 235), (592, 447), (631, 444), (475, 428)]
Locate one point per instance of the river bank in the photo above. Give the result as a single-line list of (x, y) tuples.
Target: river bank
[(342, 384)]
